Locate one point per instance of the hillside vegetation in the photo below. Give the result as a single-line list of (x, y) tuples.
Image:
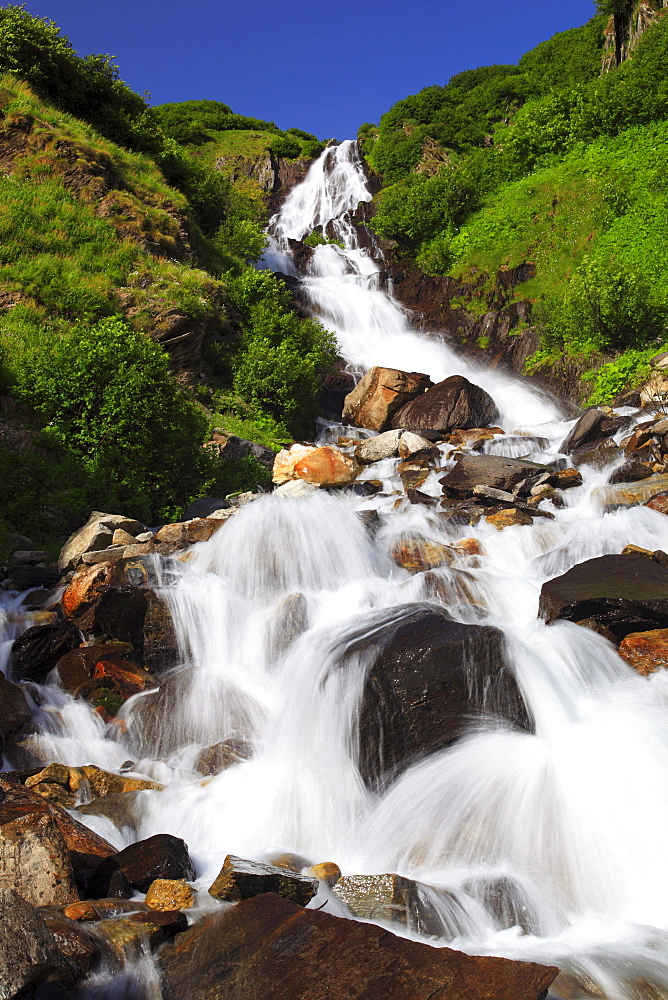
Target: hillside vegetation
[(131, 318), (550, 162)]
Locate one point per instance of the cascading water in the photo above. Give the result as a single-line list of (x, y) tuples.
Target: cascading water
[(569, 821)]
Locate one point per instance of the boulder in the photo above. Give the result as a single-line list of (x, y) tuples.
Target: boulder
[(85, 587), (97, 533), (621, 583), (591, 430), (37, 650), (379, 395), (335, 388), (14, 709), (509, 518), (160, 644), (375, 449), (416, 554), (102, 783), (240, 879), (646, 651), (474, 438), (319, 466), (168, 894), (28, 951), (495, 471), (414, 446), (22, 577), (172, 537), (390, 898), (34, 858), (326, 871), (76, 668), (160, 856), (78, 950), (452, 404), (205, 507), (631, 472), (220, 756), (658, 502), (268, 948), (127, 938), (430, 677), (630, 494)]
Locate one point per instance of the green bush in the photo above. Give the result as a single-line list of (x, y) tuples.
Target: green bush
[(109, 400), (285, 146)]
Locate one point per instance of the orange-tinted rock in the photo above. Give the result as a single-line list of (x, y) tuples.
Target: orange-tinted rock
[(127, 678), (75, 668), (509, 518), (566, 478), (658, 502), (473, 438), (417, 554), (379, 395), (646, 651), (85, 587), (468, 546), (80, 912), (326, 467), (327, 871), (172, 537), (168, 894)]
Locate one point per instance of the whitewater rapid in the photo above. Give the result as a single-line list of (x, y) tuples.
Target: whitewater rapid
[(571, 820)]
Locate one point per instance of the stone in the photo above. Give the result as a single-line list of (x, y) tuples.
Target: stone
[(291, 619), (36, 599), (23, 577), (268, 948), (115, 554), (80, 912), (598, 586), (326, 871), (375, 449), (85, 587), (655, 390), (220, 756), (453, 404), (173, 537), (240, 879), (78, 950), (14, 709), (28, 951), (593, 427), (658, 502), (659, 360), (417, 497), (431, 675), (28, 556), (412, 446), (631, 472), (160, 645), (416, 554), (122, 537), (285, 461), (336, 386), (509, 518), (205, 507), (566, 479), (37, 650), (412, 477), (474, 438), (646, 652), (54, 773), (468, 547), (379, 395), (34, 859), (126, 938), (169, 894), (170, 921), (390, 898), (103, 783), (320, 466), (97, 533), (76, 668), (160, 856), (496, 471), (296, 489)]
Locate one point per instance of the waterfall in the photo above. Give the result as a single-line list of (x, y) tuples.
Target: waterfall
[(276, 617)]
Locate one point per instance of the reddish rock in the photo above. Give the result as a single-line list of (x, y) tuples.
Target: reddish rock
[(326, 467), (173, 537), (417, 554), (379, 395), (452, 404), (267, 948), (646, 651), (76, 667), (85, 587), (658, 502)]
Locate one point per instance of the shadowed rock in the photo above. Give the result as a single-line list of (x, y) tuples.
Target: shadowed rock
[(452, 404)]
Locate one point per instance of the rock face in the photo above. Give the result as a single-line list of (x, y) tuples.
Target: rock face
[(319, 466), (36, 652), (268, 948), (453, 403), (241, 879), (494, 471), (430, 677), (620, 583), (28, 951), (377, 397)]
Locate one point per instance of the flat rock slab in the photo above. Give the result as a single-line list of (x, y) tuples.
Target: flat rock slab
[(630, 577), (495, 471), (240, 879), (630, 494), (268, 948)]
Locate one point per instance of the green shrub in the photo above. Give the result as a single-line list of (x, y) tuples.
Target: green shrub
[(627, 371), (285, 146)]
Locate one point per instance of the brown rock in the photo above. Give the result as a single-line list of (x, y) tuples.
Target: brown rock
[(78, 949), (591, 430), (630, 494), (161, 647), (391, 898), (473, 438), (220, 756), (268, 948), (55, 773), (564, 479), (28, 951), (85, 587), (126, 938), (36, 652), (658, 502), (103, 783), (413, 446), (160, 856), (241, 879), (122, 537), (173, 537), (327, 871), (412, 476), (646, 651), (452, 404), (379, 395), (494, 471), (468, 547), (76, 668), (509, 518), (169, 894), (417, 554), (326, 467), (82, 912), (14, 709)]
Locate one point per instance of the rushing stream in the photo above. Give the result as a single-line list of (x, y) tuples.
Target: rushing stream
[(573, 820)]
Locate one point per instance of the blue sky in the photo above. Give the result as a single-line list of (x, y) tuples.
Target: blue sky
[(322, 65)]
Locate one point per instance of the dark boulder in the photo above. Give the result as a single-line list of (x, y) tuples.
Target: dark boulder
[(24, 576), (38, 649), (204, 507), (431, 678), (609, 589), (267, 948), (14, 709), (119, 613), (240, 878), (494, 471), (631, 472), (335, 388), (160, 645), (592, 429), (28, 950), (161, 856), (453, 403)]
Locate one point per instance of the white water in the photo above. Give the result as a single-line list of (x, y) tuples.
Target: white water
[(572, 821)]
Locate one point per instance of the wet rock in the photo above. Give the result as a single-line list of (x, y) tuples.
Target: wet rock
[(612, 583), (126, 938), (430, 677), (416, 496), (205, 507), (14, 709), (28, 951), (412, 476), (630, 494), (371, 521), (85, 588), (416, 554), (379, 395), (220, 756), (119, 807), (96, 534), (34, 859), (452, 404), (658, 502), (319, 466), (496, 471), (631, 472), (168, 894), (593, 427), (240, 879), (36, 599), (326, 871), (390, 898), (646, 651), (474, 438), (375, 449), (509, 518), (414, 446), (79, 951), (296, 489), (290, 621), (267, 948), (80, 912), (566, 479), (160, 644), (23, 577), (76, 668), (36, 652), (335, 388), (170, 921), (103, 783), (161, 856)]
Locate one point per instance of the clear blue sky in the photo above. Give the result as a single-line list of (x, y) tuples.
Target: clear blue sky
[(322, 65)]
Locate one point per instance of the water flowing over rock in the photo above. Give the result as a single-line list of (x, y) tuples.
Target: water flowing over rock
[(453, 403), (161, 856)]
